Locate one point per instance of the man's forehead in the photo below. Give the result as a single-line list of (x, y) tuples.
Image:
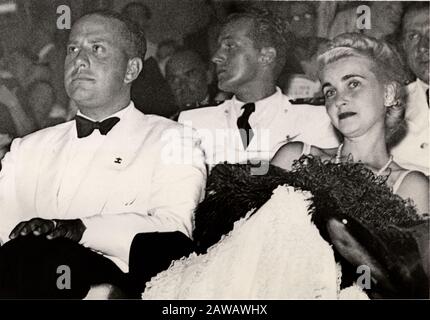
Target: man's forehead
[(95, 26), (416, 18), (236, 28), (183, 64)]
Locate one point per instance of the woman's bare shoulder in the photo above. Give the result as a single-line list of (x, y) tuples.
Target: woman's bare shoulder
[(286, 155), (415, 186)]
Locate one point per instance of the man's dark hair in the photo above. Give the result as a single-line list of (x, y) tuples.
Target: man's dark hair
[(268, 30), (133, 36), (145, 9), (413, 6)]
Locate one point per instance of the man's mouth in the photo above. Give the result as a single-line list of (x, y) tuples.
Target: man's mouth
[(80, 78), (345, 115), (220, 72)]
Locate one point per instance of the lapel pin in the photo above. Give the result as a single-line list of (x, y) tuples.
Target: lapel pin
[(289, 138), (118, 160)]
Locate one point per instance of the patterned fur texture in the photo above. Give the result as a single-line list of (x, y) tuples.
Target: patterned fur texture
[(379, 220)]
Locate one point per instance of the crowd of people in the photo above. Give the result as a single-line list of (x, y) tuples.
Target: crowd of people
[(98, 172)]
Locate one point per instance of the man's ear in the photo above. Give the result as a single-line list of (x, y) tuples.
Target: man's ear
[(267, 55), (134, 67), (390, 94)]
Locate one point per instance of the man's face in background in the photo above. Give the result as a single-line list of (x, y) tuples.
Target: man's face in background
[(416, 26), (187, 76)]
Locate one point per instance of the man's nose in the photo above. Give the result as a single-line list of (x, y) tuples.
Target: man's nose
[(218, 57), (81, 60), (423, 43)]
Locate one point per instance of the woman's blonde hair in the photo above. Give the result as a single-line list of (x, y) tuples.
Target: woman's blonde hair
[(389, 69)]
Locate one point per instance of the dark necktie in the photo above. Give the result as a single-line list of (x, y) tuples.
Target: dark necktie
[(245, 129), (85, 126)]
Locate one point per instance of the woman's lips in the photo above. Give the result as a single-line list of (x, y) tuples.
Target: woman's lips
[(345, 115)]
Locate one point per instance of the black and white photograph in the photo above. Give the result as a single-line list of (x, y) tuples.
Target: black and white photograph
[(214, 150)]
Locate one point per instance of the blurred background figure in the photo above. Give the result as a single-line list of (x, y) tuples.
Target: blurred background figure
[(304, 85), (24, 66), (94, 5), (50, 53), (189, 78), (337, 17), (413, 151), (165, 50), (21, 65), (150, 92), (141, 15), (301, 17), (41, 101)]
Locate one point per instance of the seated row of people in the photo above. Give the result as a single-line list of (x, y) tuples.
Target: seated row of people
[(112, 173)]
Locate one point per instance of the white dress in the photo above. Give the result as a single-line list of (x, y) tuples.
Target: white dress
[(276, 253)]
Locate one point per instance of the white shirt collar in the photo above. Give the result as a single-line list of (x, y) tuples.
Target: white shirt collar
[(270, 100), (423, 85), (265, 109), (120, 114)]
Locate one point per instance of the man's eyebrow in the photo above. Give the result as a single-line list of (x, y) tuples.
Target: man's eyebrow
[(223, 38), (94, 40), (102, 40)]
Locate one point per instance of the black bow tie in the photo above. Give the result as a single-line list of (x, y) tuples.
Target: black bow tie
[(85, 127)]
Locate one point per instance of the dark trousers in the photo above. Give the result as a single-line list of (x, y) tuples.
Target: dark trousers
[(153, 252), (34, 267)]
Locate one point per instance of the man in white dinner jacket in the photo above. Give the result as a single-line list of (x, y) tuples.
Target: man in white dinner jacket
[(88, 186), (413, 151), (259, 119)]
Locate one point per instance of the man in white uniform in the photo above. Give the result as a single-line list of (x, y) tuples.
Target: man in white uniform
[(259, 119)]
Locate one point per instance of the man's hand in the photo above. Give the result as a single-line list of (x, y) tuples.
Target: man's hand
[(72, 229)]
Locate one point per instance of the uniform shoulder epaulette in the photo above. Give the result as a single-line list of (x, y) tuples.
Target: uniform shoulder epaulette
[(319, 101)]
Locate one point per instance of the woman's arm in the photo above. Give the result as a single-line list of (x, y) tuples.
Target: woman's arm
[(286, 155), (416, 186)]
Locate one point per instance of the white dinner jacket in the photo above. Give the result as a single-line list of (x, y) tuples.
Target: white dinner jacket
[(279, 122), (128, 188), (413, 151)]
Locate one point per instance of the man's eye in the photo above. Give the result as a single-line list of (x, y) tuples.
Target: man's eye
[(72, 49), (229, 45), (354, 84), (98, 49), (413, 36)]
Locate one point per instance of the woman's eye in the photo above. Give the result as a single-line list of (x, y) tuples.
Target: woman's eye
[(354, 84), (329, 93)]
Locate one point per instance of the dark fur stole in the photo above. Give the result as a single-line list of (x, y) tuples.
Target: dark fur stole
[(377, 217)]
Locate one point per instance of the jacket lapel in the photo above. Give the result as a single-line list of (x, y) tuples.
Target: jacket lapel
[(56, 154)]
